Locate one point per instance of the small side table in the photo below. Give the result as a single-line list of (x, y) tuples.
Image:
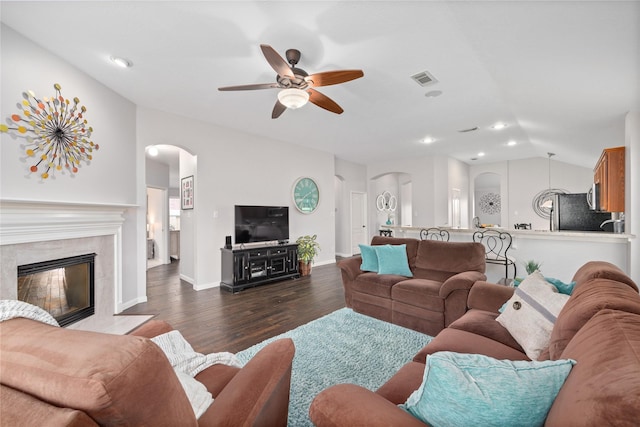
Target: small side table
[(386, 232)]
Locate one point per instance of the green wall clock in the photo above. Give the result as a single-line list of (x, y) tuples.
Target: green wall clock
[(306, 195)]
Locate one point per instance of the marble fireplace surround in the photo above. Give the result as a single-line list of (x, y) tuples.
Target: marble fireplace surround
[(39, 231)]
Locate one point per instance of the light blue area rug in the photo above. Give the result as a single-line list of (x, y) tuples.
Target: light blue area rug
[(342, 347)]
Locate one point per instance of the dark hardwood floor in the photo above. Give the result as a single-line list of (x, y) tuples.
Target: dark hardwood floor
[(215, 320)]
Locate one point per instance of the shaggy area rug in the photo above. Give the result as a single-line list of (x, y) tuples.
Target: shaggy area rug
[(342, 347)]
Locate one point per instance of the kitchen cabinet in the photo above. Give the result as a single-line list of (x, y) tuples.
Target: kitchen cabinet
[(608, 176)]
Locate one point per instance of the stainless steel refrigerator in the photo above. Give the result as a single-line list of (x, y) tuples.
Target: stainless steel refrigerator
[(572, 212)]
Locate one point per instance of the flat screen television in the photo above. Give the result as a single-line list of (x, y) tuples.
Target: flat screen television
[(261, 223)]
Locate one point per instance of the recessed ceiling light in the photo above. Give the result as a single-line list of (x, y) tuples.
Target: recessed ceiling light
[(481, 154), (153, 151), (499, 126), (428, 140), (433, 93), (511, 143), (121, 62)]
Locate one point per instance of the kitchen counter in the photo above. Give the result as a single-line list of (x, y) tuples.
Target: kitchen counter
[(560, 252), (598, 236)]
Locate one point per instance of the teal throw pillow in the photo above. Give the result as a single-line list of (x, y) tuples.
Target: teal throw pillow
[(473, 389), (369, 258), (392, 259), (563, 288)]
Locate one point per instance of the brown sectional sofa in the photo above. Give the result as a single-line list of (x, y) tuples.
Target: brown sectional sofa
[(436, 295), (599, 327), (59, 377)]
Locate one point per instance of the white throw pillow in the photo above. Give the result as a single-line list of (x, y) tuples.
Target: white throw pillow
[(531, 312)]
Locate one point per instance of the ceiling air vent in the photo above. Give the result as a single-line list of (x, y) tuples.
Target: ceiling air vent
[(424, 78)]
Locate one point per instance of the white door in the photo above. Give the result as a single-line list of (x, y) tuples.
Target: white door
[(359, 230)]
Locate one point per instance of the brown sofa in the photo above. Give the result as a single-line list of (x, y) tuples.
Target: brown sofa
[(436, 295), (59, 377), (599, 327)]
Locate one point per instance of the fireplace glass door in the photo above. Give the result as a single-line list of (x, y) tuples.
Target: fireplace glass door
[(62, 287)]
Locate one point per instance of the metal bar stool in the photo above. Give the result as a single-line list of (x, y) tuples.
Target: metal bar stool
[(497, 244), (434, 233)]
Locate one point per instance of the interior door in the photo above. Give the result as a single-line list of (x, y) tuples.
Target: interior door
[(359, 230)]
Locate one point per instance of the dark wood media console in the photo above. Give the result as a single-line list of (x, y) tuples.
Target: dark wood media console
[(257, 265)]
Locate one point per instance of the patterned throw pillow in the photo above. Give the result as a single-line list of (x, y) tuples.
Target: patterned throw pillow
[(529, 315)]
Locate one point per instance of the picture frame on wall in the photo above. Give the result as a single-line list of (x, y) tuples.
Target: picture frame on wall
[(186, 193)]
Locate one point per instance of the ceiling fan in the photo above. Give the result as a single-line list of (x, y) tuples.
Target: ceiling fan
[(297, 86)]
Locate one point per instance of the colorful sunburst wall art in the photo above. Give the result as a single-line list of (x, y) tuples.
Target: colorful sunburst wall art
[(55, 131)]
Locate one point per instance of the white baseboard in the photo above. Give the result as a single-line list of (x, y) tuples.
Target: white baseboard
[(344, 255), (206, 286), (187, 279), (125, 305), (326, 262)]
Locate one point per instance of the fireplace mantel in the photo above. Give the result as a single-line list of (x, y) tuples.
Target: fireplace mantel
[(24, 221)]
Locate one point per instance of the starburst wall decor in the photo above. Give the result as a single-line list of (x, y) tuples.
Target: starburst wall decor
[(490, 203), (55, 131)]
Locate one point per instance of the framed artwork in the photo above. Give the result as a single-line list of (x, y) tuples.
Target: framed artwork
[(186, 192)]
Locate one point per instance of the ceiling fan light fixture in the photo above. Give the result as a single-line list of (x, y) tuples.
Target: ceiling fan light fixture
[(293, 98)]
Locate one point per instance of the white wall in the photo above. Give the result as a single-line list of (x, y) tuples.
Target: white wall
[(238, 168), (156, 174), (458, 178), (632, 190), (521, 180), (425, 179), (110, 177), (352, 177), (189, 242)]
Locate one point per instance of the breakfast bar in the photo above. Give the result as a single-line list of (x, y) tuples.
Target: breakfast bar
[(559, 252)]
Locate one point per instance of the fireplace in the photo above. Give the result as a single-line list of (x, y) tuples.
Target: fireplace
[(32, 232), (63, 287)]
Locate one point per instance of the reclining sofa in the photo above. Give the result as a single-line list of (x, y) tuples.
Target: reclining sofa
[(52, 376), (598, 327), (436, 295)]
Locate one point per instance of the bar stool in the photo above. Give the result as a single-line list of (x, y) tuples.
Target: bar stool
[(497, 244)]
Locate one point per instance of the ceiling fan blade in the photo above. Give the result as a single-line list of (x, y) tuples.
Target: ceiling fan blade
[(250, 87), (334, 77), (323, 101), (278, 109), (276, 61)]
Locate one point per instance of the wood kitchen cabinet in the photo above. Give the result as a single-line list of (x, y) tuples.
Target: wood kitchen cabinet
[(608, 175)]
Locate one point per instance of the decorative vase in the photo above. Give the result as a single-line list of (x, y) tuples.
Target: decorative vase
[(304, 268)]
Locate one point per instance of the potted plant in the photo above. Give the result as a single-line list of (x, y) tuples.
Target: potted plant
[(531, 266), (308, 248)]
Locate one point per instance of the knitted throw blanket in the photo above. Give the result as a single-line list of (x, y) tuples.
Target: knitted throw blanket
[(184, 359), (10, 309)]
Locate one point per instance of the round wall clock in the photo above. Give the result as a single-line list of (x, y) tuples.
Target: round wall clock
[(306, 195)]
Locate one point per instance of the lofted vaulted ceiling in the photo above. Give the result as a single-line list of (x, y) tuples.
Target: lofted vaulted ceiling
[(561, 75)]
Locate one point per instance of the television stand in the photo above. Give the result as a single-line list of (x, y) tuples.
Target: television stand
[(258, 265)]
